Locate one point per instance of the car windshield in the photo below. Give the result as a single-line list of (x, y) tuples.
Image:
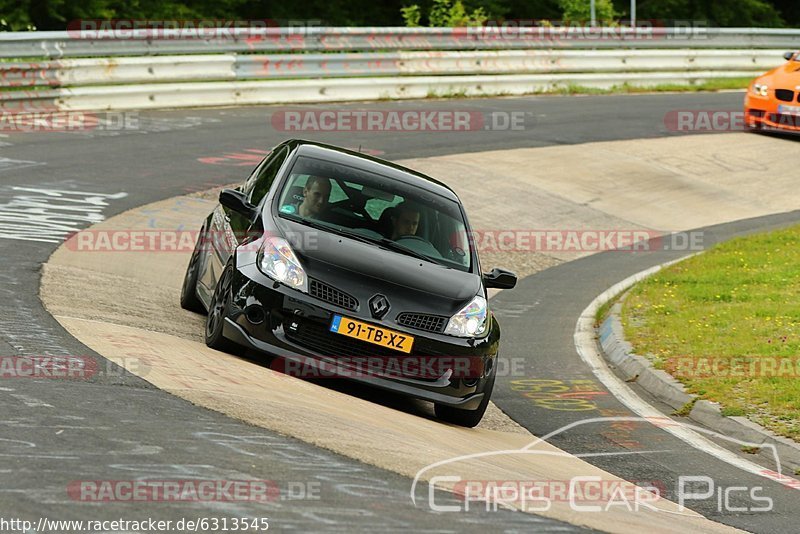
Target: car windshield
[(370, 207)]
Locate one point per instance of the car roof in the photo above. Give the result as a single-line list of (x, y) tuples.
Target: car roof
[(370, 163)]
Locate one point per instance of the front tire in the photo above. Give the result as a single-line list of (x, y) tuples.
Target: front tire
[(189, 300), (466, 418), (218, 310)]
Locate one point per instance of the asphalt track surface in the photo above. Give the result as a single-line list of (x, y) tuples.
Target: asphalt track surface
[(116, 426)]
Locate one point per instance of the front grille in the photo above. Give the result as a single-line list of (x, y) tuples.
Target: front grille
[(382, 360), (423, 321), (330, 294), (785, 95)]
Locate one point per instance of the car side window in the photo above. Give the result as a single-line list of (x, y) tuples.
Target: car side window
[(258, 185), (250, 183)]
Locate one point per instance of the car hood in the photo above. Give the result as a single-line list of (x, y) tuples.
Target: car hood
[(787, 76), (364, 270)]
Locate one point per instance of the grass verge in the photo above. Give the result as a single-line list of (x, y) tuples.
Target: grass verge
[(719, 84), (603, 311), (726, 323)]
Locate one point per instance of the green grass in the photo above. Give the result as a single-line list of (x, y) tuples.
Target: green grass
[(574, 89), (449, 93), (718, 84), (602, 312), (686, 409), (26, 88), (709, 85), (739, 300)]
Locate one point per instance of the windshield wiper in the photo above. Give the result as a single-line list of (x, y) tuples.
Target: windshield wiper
[(386, 243), (397, 247), (313, 223)]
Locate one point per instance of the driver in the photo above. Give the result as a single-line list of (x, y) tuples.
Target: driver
[(405, 220), (315, 197)]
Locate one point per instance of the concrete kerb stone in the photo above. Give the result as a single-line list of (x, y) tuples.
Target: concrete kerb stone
[(635, 368)]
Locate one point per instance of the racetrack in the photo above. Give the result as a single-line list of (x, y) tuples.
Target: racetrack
[(659, 184)]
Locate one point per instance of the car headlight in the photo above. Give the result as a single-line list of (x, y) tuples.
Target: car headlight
[(470, 321), (276, 259), (761, 89)]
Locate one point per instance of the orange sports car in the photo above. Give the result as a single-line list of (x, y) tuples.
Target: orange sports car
[(772, 101)]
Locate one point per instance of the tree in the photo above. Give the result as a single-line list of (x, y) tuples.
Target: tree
[(23, 15), (445, 13), (789, 11), (581, 11), (737, 13)]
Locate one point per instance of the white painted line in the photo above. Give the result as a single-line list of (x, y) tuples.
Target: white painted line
[(586, 345), (31, 402)]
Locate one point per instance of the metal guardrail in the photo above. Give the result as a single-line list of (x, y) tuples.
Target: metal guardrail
[(317, 39), (338, 64), (199, 94), (221, 67)]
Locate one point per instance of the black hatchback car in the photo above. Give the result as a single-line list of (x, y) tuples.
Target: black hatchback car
[(345, 265)]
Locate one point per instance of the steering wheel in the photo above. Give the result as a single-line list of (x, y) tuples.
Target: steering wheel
[(414, 237)]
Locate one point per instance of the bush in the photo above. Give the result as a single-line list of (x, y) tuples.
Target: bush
[(444, 13), (581, 10)]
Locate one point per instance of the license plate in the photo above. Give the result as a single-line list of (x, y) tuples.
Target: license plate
[(788, 110), (372, 334)]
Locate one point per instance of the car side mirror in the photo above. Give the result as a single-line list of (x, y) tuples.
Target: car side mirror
[(788, 56), (499, 279), (237, 201)]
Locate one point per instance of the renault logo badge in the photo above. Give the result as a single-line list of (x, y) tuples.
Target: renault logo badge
[(379, 306)]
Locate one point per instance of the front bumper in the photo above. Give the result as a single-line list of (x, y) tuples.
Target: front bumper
[(287, 323), (768, 114)]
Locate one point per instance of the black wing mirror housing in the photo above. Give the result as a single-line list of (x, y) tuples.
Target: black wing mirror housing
[(499, 279), (237, 201), (788, 56)]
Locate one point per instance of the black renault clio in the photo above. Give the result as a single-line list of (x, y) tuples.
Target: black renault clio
[(345, 265)]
